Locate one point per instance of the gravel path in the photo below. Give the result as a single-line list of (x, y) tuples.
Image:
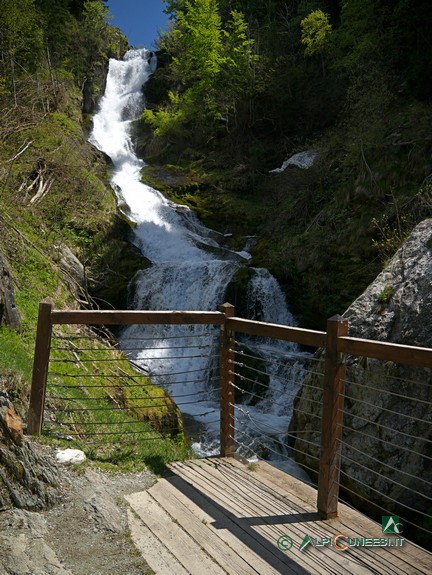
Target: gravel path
[(85, 534)]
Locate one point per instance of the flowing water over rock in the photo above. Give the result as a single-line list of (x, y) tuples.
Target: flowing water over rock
[(191, 271)]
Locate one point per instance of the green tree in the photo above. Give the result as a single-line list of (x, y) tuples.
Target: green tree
[(21, 39), (212, 65), (199, 33), (316, 30)]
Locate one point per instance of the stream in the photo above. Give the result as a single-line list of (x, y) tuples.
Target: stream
[(190, 270)]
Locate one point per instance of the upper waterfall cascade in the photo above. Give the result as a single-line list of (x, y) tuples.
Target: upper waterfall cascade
[(190, 270)]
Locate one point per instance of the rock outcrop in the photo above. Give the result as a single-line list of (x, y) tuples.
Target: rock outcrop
[(29, 479), (9, 314), (387, 441)]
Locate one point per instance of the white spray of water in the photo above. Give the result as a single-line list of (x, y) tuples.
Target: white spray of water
[(190, 271)]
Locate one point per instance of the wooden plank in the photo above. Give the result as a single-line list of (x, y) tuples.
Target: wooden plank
[(40, 369), (395, 560), (187, 552), (128, 317), (159, 558), (331, 420), (254, 512), (295, 334), (382, 560), (410, 559), (232, 509), (297, 523), (180, 500), (290, 487), (420, 356)]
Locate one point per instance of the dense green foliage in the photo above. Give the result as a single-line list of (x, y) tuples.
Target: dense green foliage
[(350, 80), (212, 68)]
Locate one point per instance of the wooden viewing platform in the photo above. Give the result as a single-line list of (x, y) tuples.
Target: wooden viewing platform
[(218, 516)]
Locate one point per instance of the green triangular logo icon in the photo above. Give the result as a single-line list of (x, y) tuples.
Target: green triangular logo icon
[(305, 542), (390, 524)]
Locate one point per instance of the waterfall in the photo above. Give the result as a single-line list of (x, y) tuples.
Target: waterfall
[(190, 269)]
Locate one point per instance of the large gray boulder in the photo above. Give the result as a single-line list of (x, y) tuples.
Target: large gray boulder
[(387, 439)]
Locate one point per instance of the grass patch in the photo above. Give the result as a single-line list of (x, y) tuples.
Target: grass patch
[(96, 402)]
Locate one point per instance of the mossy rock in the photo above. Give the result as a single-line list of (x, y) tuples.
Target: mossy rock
[(117, 268)]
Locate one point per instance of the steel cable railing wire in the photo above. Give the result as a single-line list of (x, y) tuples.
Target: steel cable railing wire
[(346, 426), (172, 337), (357, 494), (112, 434), (259, 383), (406, 381), (129, 385), (274, 451), (266, 387), (119, 359), (388, 392), (398, 470), (147, 375), (290, 358), (87, 358), (133, 398), (380, 439), (356, 462), (274, 351), (257, 427), (140, 348), (381, 408), (240, 428)]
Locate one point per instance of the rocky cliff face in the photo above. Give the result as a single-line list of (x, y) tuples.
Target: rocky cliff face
[(9, 314), (387, 441), (29, 479)]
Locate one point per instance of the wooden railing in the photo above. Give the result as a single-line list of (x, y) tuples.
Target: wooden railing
[(335, 341)]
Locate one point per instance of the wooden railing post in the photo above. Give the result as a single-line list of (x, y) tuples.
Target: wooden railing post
[(332, 419), (40, 368), (227, 446)]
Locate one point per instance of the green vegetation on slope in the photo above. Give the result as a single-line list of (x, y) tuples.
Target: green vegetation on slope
[(347, 80), (54, 197)]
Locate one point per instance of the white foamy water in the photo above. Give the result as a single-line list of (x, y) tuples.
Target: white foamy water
[(190, 271)]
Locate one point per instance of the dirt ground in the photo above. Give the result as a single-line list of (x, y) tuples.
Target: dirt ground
[(85, 534)]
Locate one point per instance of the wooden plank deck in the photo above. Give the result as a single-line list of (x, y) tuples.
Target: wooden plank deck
[(217, 516)]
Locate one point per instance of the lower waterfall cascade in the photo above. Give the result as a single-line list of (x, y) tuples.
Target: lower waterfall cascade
[(190, 270)]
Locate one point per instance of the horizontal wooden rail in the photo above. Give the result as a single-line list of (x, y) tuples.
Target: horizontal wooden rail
[(287, 333), (128, 317), (411, 355), (335, 343)]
